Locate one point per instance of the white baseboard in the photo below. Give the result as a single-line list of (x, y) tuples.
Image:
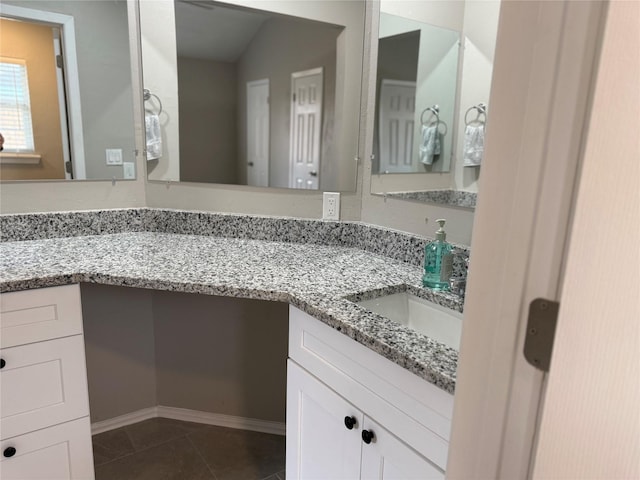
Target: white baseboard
[(124, 420), (186, 415)]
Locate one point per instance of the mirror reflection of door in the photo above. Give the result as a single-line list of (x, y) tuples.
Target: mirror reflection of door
[(33, 117), (306, 128), (396, 126), (258, 133)]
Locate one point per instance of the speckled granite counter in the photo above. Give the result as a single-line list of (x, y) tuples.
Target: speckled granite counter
[(315, 278)]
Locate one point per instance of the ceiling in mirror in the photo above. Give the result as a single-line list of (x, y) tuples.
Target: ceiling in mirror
[(66, 106), (260, 98), (464, 95)]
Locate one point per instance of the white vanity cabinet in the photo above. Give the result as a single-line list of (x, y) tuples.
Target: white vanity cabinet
[(45, 431), (352, 414)]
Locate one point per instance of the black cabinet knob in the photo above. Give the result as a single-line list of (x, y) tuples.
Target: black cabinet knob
[(349, 422), (367, 436), (2, 363), (9, 452)]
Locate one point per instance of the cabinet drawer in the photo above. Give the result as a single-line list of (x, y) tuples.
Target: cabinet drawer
[(62, 452), (42, 384), (43, 314)]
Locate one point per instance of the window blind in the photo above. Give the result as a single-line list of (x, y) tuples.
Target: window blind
[(15, 106)]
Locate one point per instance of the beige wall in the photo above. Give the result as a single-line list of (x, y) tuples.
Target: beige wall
[(34, 44), (120, 349), (213, 354), (221, 355), (208, 134)]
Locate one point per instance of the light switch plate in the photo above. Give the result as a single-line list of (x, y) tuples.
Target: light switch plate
[(114, 156)]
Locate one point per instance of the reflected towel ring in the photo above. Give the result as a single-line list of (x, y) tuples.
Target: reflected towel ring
[(435, 110), (146, 94), (481, 109)]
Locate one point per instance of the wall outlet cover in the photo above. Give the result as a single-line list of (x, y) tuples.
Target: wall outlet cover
[(129, 170), (331, 206)]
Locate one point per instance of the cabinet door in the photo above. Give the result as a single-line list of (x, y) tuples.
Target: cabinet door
[(319, 444), (388, 458), (62, 452)]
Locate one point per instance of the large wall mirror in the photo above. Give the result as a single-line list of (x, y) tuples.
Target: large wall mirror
[(435, 62), (265, 94), (66, 103)]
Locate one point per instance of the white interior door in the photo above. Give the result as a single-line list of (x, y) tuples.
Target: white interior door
[(258, 133), (396, 126), (306, 128)]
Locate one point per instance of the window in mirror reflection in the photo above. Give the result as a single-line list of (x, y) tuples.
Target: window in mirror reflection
[(73, 88)]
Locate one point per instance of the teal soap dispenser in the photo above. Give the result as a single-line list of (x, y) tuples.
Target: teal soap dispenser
[(438, 261)]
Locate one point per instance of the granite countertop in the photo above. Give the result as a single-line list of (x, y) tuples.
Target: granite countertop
[(314, 278)]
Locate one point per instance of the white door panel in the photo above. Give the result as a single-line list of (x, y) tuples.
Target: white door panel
[(258, 133), (396, 126), (306, 129)]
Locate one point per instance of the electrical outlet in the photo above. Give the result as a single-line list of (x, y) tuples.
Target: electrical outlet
[(129, 170), (331, 206)]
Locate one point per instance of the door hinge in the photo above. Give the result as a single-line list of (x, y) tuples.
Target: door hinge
[(541, 331), (59, 61), (294, 97)]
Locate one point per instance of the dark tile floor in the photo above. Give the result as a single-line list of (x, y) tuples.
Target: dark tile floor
[(164, 449)]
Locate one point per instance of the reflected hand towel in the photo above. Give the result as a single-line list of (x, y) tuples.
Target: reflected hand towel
[(153, 136), (430, 145), (473, 145)]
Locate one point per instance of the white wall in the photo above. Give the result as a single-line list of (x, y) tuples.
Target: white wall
[(591, 421), (480, 30), (160, 67)]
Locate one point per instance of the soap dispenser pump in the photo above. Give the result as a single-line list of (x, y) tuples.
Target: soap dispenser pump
[(438, 261)]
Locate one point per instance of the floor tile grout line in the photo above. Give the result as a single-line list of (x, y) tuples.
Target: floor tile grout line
[(141, 450), (201, 456)]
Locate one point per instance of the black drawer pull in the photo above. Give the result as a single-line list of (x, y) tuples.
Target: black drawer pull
[(367, 436), (2, 363), (9, 452), (349, 422)]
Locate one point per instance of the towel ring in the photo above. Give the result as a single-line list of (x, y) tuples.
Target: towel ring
[(146, 94), (435, 110), (481, 109)]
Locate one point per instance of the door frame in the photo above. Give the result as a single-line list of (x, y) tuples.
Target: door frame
[(66, 24), (540, 104)]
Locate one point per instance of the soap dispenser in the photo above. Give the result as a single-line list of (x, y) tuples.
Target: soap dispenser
[(438, 261)]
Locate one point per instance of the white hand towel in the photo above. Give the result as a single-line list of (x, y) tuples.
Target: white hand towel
[(473, 145), (430, 145), (153, 136)]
